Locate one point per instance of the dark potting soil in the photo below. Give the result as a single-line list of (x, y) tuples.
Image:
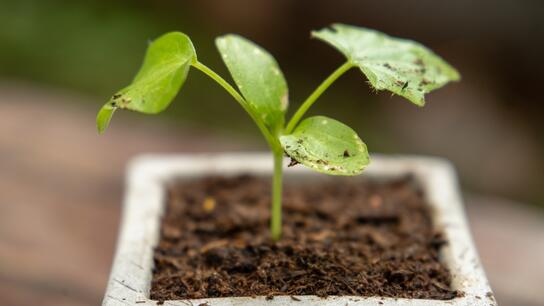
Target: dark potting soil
[(345, 237)]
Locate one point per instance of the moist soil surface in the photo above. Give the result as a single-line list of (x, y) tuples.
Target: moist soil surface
[(342, 237)]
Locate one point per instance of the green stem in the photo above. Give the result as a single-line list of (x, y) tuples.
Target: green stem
[(272, 141), (316, 94), (275, 216)]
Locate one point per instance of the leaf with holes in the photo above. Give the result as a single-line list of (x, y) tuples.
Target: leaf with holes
[(401, 66), (327, 146), (258, 76), (166, 64)]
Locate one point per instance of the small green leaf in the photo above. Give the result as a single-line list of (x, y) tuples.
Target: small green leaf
[(401, 66), (327, 146), (258, 76), (166, 64)]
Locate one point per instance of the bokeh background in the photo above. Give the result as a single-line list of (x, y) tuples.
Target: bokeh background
[(61, 184)]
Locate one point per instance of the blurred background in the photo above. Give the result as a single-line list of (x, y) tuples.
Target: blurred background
[(61, 184)]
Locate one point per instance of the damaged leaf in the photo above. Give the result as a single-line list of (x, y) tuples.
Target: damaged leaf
[(166, 64), (401, 66), (327, 146)]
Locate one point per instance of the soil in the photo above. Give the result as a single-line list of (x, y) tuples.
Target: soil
[(343, 237)]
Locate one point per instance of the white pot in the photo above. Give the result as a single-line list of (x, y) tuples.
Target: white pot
[(144, 203)]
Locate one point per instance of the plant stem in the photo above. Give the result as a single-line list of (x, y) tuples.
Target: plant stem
[(316, 94), (275, 213), (272, 141)]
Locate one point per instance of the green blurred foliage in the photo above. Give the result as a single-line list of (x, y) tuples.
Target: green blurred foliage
[(96, 47), (86, 46)]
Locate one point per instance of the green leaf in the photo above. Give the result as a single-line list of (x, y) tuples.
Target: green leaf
[(327, 146), (258, 76), (166, 64), (401, 66)]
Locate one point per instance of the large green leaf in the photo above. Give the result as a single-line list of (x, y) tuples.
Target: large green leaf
[(401, 66), (258, 76), (327, 146), (166, 64)]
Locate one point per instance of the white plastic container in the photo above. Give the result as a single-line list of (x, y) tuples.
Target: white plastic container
[(144, 203)]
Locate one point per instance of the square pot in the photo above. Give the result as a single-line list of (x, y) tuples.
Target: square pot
[(144, 204)]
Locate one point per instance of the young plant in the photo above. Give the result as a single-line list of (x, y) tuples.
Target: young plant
[(400, 66)]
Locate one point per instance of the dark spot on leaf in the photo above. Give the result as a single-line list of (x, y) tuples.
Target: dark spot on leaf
[(386, 65), (293, 162), (123, 102), (405, 85), (113, 104), (346, 153), (300, 141), (418, 62), (116, 96), (425, 82)]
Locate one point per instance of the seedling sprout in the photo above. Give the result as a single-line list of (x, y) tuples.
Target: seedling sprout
[(403, 67)]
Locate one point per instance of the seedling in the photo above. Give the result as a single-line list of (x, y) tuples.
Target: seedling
[(400, 66)]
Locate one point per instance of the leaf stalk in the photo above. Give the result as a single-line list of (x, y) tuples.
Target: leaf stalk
[(270, 139), (315, 95)]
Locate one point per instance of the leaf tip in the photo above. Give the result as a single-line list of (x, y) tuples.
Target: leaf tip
[(455, 75), (223, 39), (103, 117), (420, 102), (219, 40)]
